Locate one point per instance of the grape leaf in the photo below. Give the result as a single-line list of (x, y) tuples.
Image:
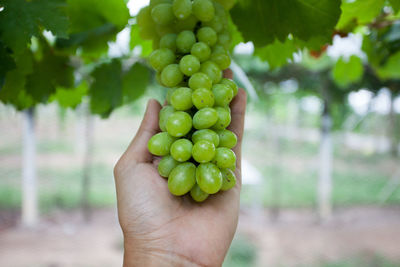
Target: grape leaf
[(395, 5), (7, 63), (391, 69), (359, 12), (106, 90), (135, 81), (70, 97), (22, 19), (277, 53), (347, 72), (263, 21)]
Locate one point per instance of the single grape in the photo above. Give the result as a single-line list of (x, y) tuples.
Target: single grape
[(202, 98), (181, 150), (227, 138), (162, 14), (223, 94), (182, 8), (222, 60), (218, 49), (189, 65), (205, 118), (154, 3), (227, 4), (200, 80), (197, 194), (209, 178), (161, 31), (224, 158), (170, 91), (231, 84), (187, 24), (167, 163), (203, 151), (171, 75), (185, 41), (228, 179), (225, 39), (224, 118), (146, 24), (163, 115), (205, 134), (201, 51), (161, 58), (179, 123), (207, 35), (182, 179), (203, 9), (212, 70), (160, 144), (181, 98), (169, 41)]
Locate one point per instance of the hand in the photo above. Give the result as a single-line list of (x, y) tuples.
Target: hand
[(161, 229)]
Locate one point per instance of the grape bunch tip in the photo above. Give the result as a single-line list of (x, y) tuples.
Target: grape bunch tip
[(190, 43)]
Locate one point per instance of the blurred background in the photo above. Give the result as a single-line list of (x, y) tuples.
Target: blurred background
[(321, 172)]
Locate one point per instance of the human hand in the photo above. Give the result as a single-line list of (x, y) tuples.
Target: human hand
[(164, 230)]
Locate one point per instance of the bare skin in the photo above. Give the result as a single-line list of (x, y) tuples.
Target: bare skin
[(161, 229)]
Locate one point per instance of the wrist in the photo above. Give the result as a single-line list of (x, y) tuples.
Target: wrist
[(137, 254)]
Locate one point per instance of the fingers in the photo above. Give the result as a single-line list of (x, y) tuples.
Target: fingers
[(238, 108), (228, 74), (137, 150)]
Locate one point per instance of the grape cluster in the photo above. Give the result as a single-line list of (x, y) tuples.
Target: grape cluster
[(191, 42)]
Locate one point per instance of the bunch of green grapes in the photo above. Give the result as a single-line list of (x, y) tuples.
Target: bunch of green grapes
[(191, 42)]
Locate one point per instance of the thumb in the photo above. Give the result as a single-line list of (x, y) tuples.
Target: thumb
[(137, 150)]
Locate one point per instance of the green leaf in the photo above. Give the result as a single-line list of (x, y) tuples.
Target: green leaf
[(106, 91), (391, 69), (22, 19), (135, 41), (277, 53), (359, 12), (395, 5), (135, 82), (347, 72), (6, 63), (263, 21), (70, 98)]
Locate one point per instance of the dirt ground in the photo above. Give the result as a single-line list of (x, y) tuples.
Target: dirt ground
[(296, 238)]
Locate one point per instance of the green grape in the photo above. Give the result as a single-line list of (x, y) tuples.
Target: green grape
[(218, 49), (160, 144), (171, 75), (203, 9), (182, 179), (203, 151), (197, 194), (201, 51), (202, 98), (220, 11), (224, 158), (181, 98), (222, 60), (223, 94), (227, 4), (227, 138), (200, 80), (161, 31), (169, 41), (162, 14), (179, 123), (181, 150), (182, 8), (205, 118), (231, 84), (155, 42), (167, 163), (170, 91), (146, 24), (224, 118), (163, 115), (161, 58), (158, 78), (207, 35), (186, 25), (205, 134), (189, 65), (185, 41), (212, 70), (209, 178), (224, 39), (217, 24), (154, 3), (228, 179)]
